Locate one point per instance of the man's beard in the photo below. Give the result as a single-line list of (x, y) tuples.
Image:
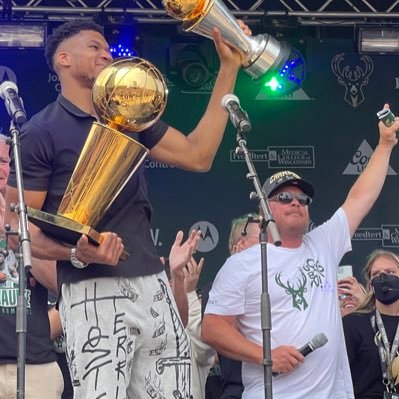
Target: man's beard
[(89, 80)]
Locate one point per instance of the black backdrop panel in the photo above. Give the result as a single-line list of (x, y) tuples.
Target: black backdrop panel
[(325, 132)]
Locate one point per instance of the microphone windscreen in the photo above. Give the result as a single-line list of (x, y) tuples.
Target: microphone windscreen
[(227, 98), (7, 84), (319, 340)]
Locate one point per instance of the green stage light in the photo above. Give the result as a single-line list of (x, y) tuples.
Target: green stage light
[(286, 79), (273, 84)]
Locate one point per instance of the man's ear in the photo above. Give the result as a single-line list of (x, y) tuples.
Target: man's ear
[(62, 58)]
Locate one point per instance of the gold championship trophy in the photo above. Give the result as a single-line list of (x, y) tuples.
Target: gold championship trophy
[(128, 95), (260, 54)]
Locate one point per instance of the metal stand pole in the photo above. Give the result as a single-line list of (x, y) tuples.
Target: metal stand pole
[(266, 224), (24, 263)]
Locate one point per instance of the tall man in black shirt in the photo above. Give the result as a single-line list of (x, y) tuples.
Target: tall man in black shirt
[(124, 338)]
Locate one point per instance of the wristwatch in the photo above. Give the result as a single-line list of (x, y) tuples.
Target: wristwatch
[(75, 260)]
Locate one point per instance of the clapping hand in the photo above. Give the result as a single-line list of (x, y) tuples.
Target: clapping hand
[(181, 253), (192, 273)]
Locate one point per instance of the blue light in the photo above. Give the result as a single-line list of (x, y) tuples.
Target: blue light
[(120, 50), (288, 78)]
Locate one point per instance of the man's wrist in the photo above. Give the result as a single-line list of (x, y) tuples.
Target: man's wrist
[(229, 66), (76, 262), (177, 275), (386, 146)]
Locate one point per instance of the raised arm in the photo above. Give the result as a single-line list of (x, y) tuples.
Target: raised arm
[(368, 186), (197, 150)]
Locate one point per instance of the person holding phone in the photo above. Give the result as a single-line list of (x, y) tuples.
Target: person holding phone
[(350, 293)]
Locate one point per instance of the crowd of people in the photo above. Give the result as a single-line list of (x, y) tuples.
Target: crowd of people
[(138, 328)]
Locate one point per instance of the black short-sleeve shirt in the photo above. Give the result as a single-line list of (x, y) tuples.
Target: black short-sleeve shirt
[(363, 355), (51, 142)]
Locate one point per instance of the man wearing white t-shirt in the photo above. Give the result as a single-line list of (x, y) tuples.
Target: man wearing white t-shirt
[(302, 276)]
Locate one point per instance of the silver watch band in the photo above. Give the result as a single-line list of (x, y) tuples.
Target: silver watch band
[(76, 262)]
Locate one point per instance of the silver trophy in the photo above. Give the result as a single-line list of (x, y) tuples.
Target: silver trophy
[(260, 54)]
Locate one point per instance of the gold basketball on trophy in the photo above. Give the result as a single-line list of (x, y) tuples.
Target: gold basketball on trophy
[(185, 10), (130, 94)]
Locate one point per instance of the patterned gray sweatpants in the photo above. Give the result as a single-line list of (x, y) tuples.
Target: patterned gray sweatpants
[(125, 339)]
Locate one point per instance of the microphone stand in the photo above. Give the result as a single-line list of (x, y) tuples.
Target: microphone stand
[(266, 223), (24, 259)]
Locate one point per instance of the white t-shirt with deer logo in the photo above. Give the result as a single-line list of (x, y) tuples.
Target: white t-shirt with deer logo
[(304, 303)]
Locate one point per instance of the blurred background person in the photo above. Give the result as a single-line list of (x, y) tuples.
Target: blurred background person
[(244, 233), (230, 369), (351, 294), (372, 332), (4, 171), (58, 338), (202, 355), (184, 273)]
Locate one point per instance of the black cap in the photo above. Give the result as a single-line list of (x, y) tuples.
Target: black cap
[(287, 178)]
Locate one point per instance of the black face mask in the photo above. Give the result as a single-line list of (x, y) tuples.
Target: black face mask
[(386, 288)]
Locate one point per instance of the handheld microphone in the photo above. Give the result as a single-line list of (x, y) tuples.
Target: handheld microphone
[(316, 342), (238, 117), (14, 104)]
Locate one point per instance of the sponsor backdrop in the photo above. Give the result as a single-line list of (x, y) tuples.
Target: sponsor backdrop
[(325, 132)]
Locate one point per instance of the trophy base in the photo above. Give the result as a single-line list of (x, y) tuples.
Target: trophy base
[(64, 229)]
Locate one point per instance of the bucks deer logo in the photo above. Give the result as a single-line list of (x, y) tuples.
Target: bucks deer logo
[(352, 77), (296, 289)]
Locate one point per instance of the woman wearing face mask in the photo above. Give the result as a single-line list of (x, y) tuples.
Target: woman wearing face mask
[(372, 333)]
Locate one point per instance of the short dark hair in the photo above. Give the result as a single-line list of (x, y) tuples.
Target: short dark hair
[(64, 32)]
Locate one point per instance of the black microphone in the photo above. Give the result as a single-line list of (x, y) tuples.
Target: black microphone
[(14, 104), (316, 342), (238, 117)]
